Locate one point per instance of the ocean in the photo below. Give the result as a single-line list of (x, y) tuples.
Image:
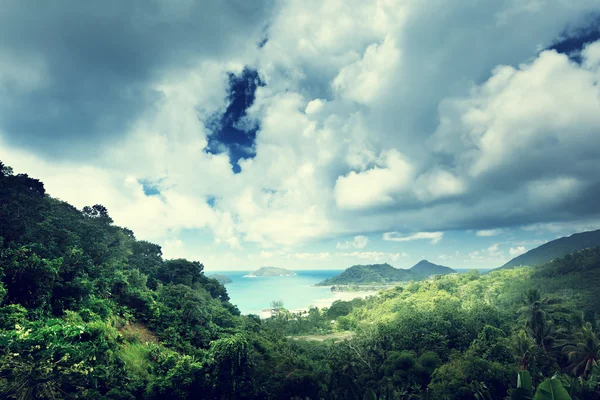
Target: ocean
[(252, 295)]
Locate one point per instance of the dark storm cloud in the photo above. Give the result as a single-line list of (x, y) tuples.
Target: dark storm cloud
[(98, 58)]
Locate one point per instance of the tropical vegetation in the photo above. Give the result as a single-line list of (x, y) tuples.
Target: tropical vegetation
[(87, 311)]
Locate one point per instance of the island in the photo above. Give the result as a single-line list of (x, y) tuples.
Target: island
[(270, 271), (369, 275), (222, 279), (382, 275)]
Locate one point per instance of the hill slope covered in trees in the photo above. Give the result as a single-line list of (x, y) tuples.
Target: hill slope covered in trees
[(467, 336), (556, 248), (87, 311)]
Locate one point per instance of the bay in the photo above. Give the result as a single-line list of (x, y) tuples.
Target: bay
[(253, 295)]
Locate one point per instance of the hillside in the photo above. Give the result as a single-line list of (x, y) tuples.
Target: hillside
[(556, 248), (87, 311), (270, 271), (424, 269), (466, 336), (369, 274)]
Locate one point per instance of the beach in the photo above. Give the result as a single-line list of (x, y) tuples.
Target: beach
[(326, 302)]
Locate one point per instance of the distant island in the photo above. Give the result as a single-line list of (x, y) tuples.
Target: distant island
[(385, 274), (555, 249), (270, 271), (222, 279)]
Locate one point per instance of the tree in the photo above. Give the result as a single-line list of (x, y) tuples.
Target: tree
[(232, 367), (584, 354), (28, 278), (5, 170), (180, 271), (21, 201), (97, 211), (536, 315)]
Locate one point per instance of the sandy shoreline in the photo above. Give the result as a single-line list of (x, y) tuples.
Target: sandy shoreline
[(327, 302)]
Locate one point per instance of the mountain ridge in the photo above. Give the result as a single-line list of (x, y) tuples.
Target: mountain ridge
[(555, 249)]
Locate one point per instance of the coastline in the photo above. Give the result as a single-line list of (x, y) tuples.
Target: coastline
[(326, 302)]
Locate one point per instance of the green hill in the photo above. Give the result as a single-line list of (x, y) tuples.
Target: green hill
[(87, 311), (369, 274), (385, 274), (424, 269), (556, 248)]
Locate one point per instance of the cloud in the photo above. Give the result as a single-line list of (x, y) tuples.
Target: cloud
[(488, 232), (493, 251), (376, 186), (363, 80), (311, 256), (368, 123), (397, 237), (516, 251), (90, 69), (358, 243), (375, 256)]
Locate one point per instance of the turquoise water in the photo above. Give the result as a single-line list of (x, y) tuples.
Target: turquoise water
[(252, 295)]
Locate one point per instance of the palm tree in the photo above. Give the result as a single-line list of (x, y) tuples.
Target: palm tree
[(584, 354), (537, 317), (524, 349)]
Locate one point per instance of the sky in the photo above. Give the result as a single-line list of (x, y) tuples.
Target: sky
[(312, 134)]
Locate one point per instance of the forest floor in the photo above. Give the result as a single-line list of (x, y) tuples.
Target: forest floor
[(321, 338)]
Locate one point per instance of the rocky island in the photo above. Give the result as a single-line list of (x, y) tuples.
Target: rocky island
[(270, 271), (222, 279)]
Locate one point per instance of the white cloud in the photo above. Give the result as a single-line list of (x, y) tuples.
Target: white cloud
[(493, 251), (435, 237), (376, 186), (516, 251), (368, 123), (358, 242), (376, 256), (363, 81), (324, 256), (488, 232), (437, 184)]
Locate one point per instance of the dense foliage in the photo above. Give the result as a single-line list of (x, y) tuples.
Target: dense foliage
[(87, 311)]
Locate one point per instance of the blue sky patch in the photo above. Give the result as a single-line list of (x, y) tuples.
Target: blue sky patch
[(573, 44), (231, 131), (150, 188)]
